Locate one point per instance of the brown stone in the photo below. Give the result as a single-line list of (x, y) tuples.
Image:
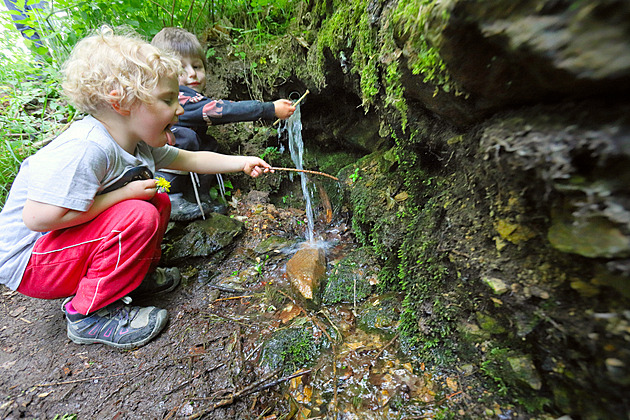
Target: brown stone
[(306, 269)]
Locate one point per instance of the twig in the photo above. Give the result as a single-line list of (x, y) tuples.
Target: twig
[(232, 298), (235, 395), (386, 345), (251, 389), (296, 103), (305, 171), (209, 314), (279, 381)]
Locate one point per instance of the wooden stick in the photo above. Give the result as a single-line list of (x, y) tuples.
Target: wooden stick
[(295, 104), (306, 171)]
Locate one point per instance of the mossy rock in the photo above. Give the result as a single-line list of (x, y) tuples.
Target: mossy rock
[(351, 279), (292, 348), (202, 238)]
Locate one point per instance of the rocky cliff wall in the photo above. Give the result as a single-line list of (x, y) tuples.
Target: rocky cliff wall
[(495, 183)]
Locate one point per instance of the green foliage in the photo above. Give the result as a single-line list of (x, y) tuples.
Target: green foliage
[(270, 154), (217, 194), (12, 153), (31, 110)]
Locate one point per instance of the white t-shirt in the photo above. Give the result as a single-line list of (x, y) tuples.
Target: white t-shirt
[(69, 172)]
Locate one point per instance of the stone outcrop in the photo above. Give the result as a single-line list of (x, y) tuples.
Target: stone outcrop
[(497, 197)]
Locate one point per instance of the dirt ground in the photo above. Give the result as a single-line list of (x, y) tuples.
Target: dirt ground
[(207, 351)]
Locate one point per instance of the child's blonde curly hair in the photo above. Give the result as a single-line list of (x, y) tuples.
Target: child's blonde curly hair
[(125, 64)]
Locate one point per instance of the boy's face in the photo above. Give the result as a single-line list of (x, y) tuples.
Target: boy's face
[(151, 122), (194, 75)]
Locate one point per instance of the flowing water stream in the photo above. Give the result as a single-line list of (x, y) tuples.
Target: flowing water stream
[(293, 127)]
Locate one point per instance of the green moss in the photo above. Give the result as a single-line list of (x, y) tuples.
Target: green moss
[(349, 281), (410, 18), (348, 29), (291, 348), (497, 367), (399, 220), (394, 92)]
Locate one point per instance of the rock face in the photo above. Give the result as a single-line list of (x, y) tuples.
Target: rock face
[(306, 269), (489, 174), (498, 195), (504, 53)]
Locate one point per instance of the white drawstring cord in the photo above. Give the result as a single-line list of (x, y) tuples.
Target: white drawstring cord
[(195, 181)]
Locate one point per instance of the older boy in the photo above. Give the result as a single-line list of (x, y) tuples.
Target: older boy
[(73, 225), (201, 112)]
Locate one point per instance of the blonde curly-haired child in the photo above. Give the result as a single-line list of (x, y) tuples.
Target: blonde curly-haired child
[(84, 218)]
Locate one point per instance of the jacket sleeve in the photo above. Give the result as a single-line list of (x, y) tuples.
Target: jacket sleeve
[(199, 110)]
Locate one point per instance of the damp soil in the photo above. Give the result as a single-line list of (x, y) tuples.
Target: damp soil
[(210, 350)]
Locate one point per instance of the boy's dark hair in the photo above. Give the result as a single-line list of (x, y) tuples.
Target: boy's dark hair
[(180, 42)]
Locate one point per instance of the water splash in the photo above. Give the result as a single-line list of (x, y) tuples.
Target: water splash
[(293, 127)]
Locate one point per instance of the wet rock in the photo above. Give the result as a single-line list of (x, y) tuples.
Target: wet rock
[(306, 269), (203, 237), (489, 324), (293, 348), (525, 371), (471, 332), (380, 314), (498, 286), (501, 53), (273, 244), (593, 238)]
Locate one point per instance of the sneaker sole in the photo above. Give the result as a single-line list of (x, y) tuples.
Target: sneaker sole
[(161, 320)]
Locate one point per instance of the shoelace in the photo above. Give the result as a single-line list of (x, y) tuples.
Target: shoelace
[(124, 311)]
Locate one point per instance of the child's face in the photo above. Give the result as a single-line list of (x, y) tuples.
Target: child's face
[(194, 75), (151, 122)]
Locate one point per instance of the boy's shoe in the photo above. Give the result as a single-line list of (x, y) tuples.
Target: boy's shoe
[(183, 210), (162, 280), (118, 325)]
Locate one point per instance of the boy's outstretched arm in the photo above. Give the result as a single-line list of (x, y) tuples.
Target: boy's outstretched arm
[(42, 217), (215, 163)]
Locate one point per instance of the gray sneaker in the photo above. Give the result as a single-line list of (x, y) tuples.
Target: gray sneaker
[(118, 325), (162, 280)]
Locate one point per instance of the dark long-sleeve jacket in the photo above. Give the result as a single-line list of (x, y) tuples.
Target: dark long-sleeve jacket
[(200, 112)]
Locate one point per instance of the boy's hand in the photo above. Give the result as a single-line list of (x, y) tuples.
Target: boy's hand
[(283, 108), (255, 166), (143, 189)]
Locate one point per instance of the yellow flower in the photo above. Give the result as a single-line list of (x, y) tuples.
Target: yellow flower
[(163, 184)]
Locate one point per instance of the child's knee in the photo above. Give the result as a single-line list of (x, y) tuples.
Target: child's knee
[(144, 215)]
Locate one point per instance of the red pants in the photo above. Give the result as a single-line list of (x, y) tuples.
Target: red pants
[(100, 261)]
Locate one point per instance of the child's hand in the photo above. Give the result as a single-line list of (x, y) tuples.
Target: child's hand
[(283, 108), (143, 189), (255, 166)]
